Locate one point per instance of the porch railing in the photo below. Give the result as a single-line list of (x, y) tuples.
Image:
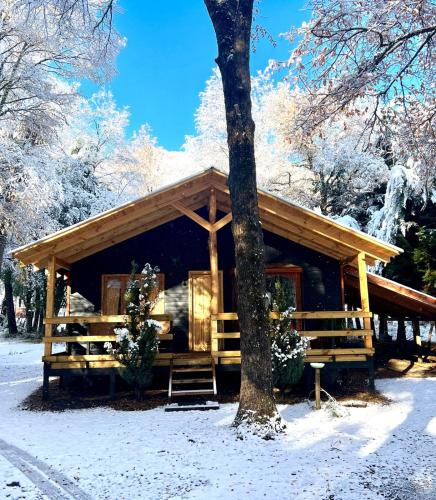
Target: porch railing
[(333, 353), (92, 360)]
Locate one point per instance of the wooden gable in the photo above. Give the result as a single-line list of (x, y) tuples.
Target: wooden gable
[(279, 216)]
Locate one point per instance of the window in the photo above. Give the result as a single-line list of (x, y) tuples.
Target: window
[(291, 275), (113, 289), (290, 278)]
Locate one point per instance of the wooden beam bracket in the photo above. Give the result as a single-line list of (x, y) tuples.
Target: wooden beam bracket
[(222, 222), (192, 215)]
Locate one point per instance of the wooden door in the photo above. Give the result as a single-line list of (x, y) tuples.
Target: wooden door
[(200, 295)]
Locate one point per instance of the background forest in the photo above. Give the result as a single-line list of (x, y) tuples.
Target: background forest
[(64, 157)]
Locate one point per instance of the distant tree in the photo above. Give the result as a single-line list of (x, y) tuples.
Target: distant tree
[(424, 257), (333, 167), (27, 174), (144, 168), (232, 21), (208, 147), (8, 277), (416, 235)]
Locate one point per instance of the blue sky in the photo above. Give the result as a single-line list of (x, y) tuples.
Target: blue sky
[(169, 55)]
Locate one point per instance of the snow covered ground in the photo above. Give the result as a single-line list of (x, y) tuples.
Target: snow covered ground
[(376, 452)]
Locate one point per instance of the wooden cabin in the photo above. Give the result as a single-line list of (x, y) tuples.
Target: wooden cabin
[(185, 230)]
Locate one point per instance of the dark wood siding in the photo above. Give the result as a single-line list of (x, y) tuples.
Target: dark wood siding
[(321, 287)]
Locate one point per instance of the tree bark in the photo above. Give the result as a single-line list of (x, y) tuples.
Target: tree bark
[(232, 21), (3, 241), (37, 310), (10, 308), (417, 337), (41, 323), (29, 310)]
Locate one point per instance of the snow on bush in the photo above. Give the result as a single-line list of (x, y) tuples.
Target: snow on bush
[(287, 351), (137, 344)]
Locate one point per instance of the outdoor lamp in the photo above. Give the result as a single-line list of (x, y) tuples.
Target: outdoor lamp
[(317, 367)]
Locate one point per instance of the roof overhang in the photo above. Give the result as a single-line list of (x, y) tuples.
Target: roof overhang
[(130, 219), (390, 297)]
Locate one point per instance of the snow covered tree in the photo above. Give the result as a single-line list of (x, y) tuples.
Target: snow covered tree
[(389, 219), (43, 44), (44, 40), (375, 48), (208, 147), (137, 344), (146, 166), (26, 175), (332, 168), (91, 146)]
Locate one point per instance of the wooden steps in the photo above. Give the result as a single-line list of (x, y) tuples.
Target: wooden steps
[(187, 370), (192, 375), (193, 392), (194, 381)]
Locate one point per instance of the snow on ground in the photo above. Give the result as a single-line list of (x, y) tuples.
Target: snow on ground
[(375, 452)]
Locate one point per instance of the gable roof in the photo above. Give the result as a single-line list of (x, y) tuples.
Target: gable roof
[(130, 219)]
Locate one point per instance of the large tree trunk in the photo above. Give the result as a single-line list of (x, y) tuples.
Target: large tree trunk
[(232, 23)]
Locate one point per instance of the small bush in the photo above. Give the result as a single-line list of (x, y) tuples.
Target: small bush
[(287, 347), (137, 344)]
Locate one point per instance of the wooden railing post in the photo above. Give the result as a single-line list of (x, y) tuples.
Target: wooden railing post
[(213, 332), (214, 272), (49, 303), (364, 295)]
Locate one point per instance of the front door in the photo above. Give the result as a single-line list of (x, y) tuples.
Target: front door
[(200, 295)]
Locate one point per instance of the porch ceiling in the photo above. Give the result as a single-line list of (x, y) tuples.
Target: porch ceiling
[(277, 215)]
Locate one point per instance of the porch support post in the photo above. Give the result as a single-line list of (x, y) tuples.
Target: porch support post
[(68, 297), (213, 254), (417, 337), (341, 270), (49, 303), (364, 295)]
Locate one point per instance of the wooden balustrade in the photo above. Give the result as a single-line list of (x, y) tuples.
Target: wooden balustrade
[(218, 338), (323, 355), (96, 360)]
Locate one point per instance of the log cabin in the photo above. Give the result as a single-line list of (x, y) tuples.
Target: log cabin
[(185, 230)]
